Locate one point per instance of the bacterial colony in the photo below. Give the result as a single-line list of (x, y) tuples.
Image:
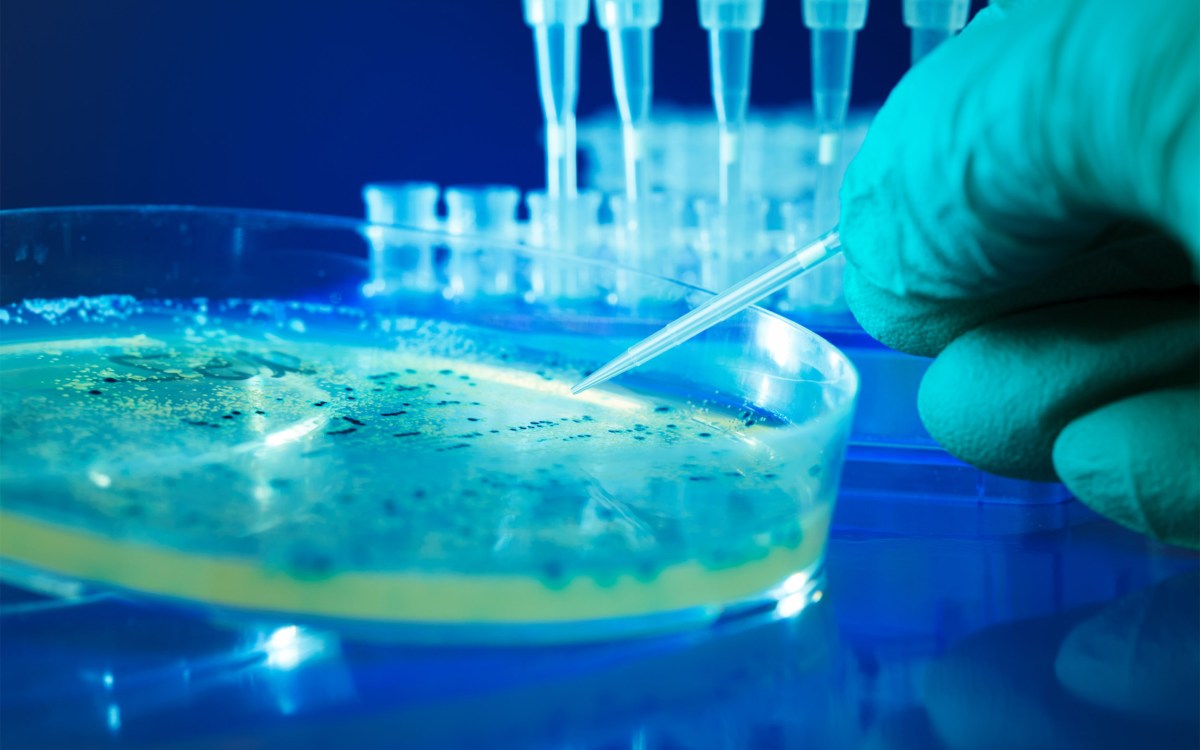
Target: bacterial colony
[(323, 461)]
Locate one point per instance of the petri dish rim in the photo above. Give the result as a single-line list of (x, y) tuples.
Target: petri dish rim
[(839, 407)]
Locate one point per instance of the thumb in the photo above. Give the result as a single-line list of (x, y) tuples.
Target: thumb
[(1008, 150)]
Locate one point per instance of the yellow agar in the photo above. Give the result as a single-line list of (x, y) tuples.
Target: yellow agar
[(400, 596)]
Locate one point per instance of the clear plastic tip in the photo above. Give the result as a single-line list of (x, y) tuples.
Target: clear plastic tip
[(731, 25), (933, 22), (629, 25), (833, 24), (556, 12), (726, 304), (556, 26), (731, 14)]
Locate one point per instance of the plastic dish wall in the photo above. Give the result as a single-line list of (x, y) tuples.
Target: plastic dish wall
[(757, 361)]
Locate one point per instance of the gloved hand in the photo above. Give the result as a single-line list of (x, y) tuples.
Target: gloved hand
[(1026, 208)]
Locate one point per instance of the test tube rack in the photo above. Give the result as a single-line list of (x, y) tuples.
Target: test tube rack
[(675, 236), (679, 230), (780, 149)]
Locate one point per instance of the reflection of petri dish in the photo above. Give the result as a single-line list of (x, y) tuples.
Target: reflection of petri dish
[(398, 463)]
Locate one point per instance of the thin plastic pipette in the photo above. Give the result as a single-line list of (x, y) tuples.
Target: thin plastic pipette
[(731, 25), (726, 304), (629, 25), (556, 26)]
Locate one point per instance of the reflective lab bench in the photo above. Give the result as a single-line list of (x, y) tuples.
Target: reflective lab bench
[(949, 618), (943, 625)]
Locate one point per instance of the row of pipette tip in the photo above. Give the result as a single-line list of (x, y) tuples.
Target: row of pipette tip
[(629, 25), (465, 232), (779, 152), (730, 24)]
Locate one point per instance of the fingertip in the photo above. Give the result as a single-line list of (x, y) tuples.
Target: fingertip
[(1135, 462), (913, 325), (984, 407)]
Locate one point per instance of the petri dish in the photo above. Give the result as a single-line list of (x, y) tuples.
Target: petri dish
[(310, 418)]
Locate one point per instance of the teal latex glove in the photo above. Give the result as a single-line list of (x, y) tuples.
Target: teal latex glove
[(1026, 209)]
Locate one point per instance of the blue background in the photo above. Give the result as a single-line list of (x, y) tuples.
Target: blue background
[(294, 105)]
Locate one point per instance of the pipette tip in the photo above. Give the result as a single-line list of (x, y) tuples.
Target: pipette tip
[(738, 297), (596, 378)]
